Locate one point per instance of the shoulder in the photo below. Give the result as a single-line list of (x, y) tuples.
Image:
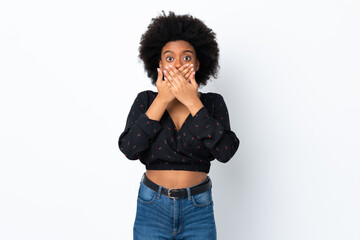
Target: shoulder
[(216, 97), (146, 94), (146, 97)]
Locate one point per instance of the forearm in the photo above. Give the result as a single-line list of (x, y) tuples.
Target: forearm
[(140, 130), (157, 108)]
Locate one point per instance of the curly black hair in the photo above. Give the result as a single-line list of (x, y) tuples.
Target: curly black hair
[(173, 27)]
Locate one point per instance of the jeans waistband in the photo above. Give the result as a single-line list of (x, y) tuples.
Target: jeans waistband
[(203, 186)]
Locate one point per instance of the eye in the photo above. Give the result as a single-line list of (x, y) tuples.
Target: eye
[(168, 58), (189, 58)]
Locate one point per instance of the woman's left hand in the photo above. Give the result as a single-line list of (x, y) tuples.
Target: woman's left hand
[(184, 90)]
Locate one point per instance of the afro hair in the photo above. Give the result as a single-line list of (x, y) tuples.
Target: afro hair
[(164, 29)]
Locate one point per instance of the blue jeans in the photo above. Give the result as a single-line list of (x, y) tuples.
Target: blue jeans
[(161, 217)]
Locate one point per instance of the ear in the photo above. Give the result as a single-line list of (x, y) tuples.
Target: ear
[(197, 65)]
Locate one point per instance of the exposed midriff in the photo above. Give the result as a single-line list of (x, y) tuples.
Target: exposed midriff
[(176, 178)]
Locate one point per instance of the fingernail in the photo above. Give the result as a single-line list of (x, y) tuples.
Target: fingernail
[(166, 67), (157, 69)]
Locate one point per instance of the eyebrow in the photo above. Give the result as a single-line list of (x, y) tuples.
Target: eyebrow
[(183, 52)]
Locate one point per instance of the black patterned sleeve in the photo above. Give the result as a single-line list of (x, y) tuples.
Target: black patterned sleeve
[(215, 132), (140, 130)]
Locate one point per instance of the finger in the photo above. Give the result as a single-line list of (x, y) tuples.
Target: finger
[(192, 79), (187, 76), (166, 81), (169, 73), (177, 75), (185, 69), (160, 75), (169, 77)]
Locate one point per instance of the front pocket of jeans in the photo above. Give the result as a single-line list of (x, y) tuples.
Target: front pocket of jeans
[(146, 195), (202, 199)]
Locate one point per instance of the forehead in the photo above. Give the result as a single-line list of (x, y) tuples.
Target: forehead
[(177, 46)]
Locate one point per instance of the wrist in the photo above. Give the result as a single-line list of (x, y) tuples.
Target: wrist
[(162, 100), (195, 106)]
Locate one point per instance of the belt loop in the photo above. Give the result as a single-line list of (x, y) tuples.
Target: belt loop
[(159, 191), (188, 192)]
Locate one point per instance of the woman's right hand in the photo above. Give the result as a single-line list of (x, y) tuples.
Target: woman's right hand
[(164, 91)]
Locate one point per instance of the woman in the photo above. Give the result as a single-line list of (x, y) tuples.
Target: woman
[(177, 131)]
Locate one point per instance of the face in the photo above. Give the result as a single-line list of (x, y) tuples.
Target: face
[(178, 53)]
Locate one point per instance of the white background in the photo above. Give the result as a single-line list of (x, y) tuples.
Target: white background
[(290, 77)]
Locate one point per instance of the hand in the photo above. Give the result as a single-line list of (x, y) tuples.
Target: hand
[(163, 89), (185, 70), (185, 91)]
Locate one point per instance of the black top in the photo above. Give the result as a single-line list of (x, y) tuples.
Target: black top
[(159, 146)]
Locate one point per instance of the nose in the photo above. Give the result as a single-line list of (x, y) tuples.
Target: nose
[(177, 63)]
